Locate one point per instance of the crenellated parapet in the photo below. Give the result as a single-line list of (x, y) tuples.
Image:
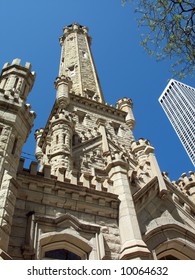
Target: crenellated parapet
[(186, 184), (182, 191), (16, 80), (75, 27), (74, 193), (141, 149)]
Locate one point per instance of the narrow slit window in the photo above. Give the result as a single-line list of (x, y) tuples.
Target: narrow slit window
[(5, 83), (24, 89), (64, 139), (16, 82)]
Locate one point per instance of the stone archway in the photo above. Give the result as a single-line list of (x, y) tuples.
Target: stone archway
[(170, 240), (72, 247), (174, 249)]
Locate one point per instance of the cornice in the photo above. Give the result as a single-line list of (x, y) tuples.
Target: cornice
[(92, 104)]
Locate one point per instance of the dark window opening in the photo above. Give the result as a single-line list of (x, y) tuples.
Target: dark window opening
[(76, 139), (64, 139), (25, 89), (169, 257), (16, 81), (115, 127), (61, 254), (5, 83)]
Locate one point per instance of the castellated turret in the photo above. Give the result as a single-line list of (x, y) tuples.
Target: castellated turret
[(16, 117), (126, 105), (63, 85), (16, 121), (17, 80)]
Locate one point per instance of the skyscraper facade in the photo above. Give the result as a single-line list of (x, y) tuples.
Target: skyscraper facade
[(95, 192), (178, 102)]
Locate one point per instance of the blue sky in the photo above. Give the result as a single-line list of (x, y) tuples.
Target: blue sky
[(30, 31)]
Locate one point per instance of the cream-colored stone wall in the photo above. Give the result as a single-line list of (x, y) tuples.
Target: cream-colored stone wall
[(52, 200)]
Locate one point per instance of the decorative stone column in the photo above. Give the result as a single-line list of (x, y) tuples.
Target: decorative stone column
[(132, 245)]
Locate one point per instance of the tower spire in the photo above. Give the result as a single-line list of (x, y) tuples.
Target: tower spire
[(77, 62)]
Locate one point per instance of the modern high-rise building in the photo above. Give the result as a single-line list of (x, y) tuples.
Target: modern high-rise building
[(94, 193), (178, 102)]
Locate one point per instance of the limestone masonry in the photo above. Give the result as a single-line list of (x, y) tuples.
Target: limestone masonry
[(95, 192)]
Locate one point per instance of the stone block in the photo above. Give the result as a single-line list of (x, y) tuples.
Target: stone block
[(34, 196), (102, 202), (3, 239), (33, 167), (47, 171), (75, 196), (9, 208), (21, 165), (32, 186), (89, 199), (15, 252), (19, 221), (48, 189), (20, 204), (55, 211), (36, 207)]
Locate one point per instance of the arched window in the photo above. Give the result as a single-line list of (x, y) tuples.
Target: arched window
[(63, 246)]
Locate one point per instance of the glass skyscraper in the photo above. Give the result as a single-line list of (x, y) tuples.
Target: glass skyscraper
[(178, 102)]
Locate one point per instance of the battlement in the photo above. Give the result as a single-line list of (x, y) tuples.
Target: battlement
[(75, 27), (17, 61), (141, 144), (84, 179), (186, 182), (124, 102), (17, 79), (62, 79)]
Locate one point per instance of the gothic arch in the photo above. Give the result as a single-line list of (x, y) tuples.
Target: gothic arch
[(75, 244), (171, 239), (67, 233), (173, 248)]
